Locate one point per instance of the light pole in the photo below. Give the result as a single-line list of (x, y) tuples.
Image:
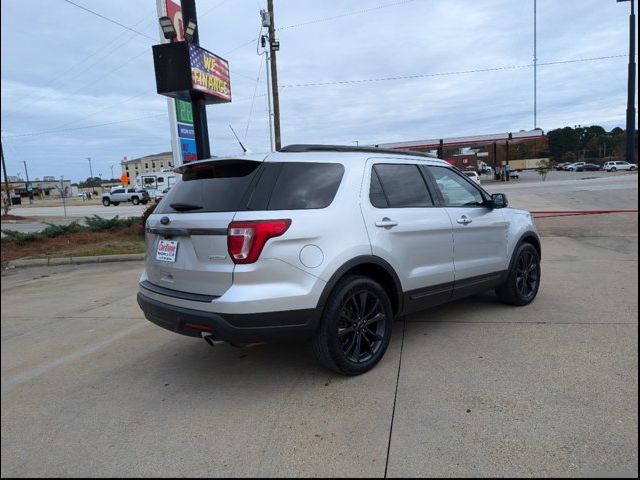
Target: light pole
[(631, 85), (28, 185), (111, 172), (90, 169)]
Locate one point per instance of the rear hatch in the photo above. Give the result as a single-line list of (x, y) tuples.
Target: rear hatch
[(187, 234)]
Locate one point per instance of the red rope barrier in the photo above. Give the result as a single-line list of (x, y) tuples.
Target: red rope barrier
[(571, 213)]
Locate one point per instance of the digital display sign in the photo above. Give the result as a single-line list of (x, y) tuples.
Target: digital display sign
[(209, 73), (184, 70)]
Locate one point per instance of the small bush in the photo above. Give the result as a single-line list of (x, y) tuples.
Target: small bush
[(19, 238), (97, 224)]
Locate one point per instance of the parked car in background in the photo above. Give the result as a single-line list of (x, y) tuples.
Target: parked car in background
[(514, 174), (588, 167), (619, 165), (574, 166), (561, 166), (123, 194), (473, 176), (328, 244)]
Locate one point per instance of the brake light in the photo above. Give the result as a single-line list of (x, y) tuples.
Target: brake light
[(245, 240)]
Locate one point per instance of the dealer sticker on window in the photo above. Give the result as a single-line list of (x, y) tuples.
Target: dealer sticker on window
[(167, 250)]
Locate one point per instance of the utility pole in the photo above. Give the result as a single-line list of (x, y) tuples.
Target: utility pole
[(535, 64), (263, 43), (198, 106), (631, 85), (90, 169), (111, 167), (28, 184), (274, 46), (7, 204)]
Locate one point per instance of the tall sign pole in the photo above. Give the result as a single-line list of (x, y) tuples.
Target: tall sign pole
[(274, 46), (198, 106), (631, 85)]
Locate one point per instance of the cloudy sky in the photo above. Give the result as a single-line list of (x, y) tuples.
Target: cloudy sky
[(75, 85)]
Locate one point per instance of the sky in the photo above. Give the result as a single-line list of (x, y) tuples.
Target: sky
[(76, 86)]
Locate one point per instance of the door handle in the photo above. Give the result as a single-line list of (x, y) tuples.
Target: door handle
[(386, 223), (464, 220)]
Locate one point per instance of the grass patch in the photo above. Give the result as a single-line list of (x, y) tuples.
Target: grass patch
[(92, 224), (78, 243)]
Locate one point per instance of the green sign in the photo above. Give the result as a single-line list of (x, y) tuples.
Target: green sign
[(29, 187), (184, 113)]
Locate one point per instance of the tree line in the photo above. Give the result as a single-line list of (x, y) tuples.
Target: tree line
[(569, 144)]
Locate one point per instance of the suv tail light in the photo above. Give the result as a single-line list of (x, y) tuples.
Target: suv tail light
[(245, 240)]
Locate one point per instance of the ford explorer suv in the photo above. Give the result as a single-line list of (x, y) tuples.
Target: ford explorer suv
[(122, 194), (328, 244), (619, 165)]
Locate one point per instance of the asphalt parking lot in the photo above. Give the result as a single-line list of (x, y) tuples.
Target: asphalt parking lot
[(474, 388)]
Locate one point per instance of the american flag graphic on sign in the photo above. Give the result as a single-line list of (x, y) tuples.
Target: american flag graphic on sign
[(210, 74)]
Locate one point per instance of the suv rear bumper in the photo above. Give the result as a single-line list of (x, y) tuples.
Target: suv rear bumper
[(245, 328)]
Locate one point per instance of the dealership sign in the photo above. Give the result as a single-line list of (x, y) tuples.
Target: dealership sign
[(184, 70), (209, 73)]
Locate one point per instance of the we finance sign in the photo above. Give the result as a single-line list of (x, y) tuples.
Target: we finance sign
[(210, 75)]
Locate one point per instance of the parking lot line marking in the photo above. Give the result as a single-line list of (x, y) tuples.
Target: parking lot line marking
[(40, 369), (395, 397)]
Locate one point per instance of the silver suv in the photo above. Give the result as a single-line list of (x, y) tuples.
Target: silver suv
[(329, 244)]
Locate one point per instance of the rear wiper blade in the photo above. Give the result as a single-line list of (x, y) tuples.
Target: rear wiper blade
[(185, 207)]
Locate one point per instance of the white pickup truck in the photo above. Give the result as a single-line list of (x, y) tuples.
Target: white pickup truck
[(123, 194)]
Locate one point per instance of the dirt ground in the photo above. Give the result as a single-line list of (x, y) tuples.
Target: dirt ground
[(122, 240)]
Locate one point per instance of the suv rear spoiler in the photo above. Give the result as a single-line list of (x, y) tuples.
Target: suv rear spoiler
[(219, 161)]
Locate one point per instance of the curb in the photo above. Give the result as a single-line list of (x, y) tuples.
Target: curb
[(53, 261)]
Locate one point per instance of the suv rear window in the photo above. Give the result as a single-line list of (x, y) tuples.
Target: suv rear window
[(215, 187), (246, 185)]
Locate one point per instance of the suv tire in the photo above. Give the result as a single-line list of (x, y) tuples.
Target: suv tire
[(523, 280), (355, 327), (106, 202), (135, 200), (613, 169)]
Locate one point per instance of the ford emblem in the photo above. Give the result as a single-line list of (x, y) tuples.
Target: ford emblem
[(165, 220)]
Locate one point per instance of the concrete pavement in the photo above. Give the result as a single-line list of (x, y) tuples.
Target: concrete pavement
[(471, 388)]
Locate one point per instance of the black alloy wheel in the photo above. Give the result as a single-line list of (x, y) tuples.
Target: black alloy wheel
[(361, 327), (355, 327), (527, 275), (523, 280)]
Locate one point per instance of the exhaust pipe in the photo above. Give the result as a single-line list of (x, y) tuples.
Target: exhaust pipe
[(211, 339)]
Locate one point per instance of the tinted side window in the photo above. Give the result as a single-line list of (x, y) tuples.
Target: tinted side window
[(403, 185), (306, 185), (215, 187), (376, 194), (119, 190)]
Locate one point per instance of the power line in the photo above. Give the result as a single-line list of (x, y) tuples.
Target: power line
[(327, 19), (46, 132), (443, 74), (346, 14), (110, 20)]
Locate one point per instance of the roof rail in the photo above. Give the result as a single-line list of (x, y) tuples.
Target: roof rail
[(300, 148)]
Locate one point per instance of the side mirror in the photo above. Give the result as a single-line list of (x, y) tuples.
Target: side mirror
[(498, 200)]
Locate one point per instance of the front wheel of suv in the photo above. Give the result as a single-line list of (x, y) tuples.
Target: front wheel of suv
[(523, 281), (355, 328)]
